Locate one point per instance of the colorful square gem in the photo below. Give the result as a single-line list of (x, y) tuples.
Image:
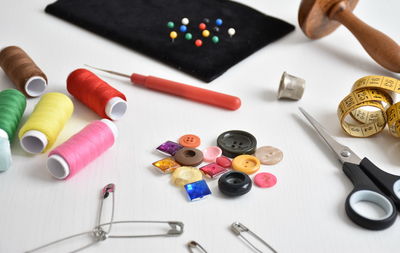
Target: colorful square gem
[(197, 190), (167, 165), (169, 148), (213, 170)]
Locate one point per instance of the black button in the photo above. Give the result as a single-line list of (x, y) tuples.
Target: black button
[(234, 183), (236, 142)]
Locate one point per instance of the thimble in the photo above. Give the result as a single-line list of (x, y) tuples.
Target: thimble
[(291, 87)]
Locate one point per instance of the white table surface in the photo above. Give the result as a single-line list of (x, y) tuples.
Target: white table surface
[(304, 212)]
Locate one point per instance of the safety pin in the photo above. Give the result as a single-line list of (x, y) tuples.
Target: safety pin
[(175, 229), (238, 228), (105, 193), (193, 244)]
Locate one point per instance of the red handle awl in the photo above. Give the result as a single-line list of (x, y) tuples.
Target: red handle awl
[(187, 91)]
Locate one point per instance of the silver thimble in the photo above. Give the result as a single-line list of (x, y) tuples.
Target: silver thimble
[(291, 87)]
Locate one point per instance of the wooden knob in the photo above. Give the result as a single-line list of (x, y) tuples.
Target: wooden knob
[(378, 45)]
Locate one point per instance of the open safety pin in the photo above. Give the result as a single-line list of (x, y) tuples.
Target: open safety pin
[(238, 228), (193, 244), (98, 234)]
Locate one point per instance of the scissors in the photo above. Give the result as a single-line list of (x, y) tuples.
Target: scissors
[(371, 184)]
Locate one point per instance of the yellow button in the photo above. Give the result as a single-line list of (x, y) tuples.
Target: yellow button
[(185, 175), (246, 163)]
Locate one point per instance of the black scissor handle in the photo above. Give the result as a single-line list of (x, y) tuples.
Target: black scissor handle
[(388, 183), (366, 191)]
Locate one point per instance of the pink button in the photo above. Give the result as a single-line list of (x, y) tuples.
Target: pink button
[(265, 180), (224, 161), (213, 170), (211, 153)]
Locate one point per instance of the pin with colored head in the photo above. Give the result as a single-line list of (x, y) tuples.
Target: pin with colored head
[(173, 35), (231, 32)]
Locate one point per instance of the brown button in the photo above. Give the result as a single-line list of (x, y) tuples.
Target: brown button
[(189, 156), (269, 155)]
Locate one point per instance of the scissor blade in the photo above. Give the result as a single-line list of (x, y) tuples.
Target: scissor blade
[(343, 153)]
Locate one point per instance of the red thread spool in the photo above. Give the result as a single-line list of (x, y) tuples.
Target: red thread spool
[(98, 95)]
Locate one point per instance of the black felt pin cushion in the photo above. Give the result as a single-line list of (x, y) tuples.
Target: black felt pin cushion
[(142, 26)]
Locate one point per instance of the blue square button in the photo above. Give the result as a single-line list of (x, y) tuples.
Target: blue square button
[(197, 190)]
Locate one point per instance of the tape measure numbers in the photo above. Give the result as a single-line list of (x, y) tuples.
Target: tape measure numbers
[(365, 111)]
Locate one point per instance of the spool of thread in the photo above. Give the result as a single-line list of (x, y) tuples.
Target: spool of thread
[(22, 71), (47, 120), (98, 95), (12, 107), (73, 155)]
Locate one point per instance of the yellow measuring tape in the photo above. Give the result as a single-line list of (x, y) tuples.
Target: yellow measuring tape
[(365, 111)]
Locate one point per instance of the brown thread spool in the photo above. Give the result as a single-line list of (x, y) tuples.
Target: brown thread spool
[(22, 71)]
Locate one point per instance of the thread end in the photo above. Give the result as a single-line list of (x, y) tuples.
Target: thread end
[(58, 167), (34, 141), (35, 86), (116, 108)]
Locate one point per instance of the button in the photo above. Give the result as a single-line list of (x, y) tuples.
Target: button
[(188, 36), (186, 175), (265, 180), (213, 170), (198, 43), (234, 183), (211, 153), (185, 21), (169, 148), (183, 28), (190, 141), (202, 26), (205, 33), (197, 190), (215, 39), (224, 161), (218, 22), (269, 155), (170, 24), (231, 31), (236, 142), (246, 163), (166, 165), (189, 156)]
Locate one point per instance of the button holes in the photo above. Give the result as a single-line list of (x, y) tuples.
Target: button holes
[(240, 143), (235, 142), (233, 146)]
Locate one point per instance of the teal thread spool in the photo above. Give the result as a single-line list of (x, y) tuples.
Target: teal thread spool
[(12, 107)]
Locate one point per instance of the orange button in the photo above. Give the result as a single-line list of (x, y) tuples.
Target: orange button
[(189, 141), (246, 163)]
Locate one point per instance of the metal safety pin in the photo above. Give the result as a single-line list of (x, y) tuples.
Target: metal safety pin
[(175, 229), (193, 244), (238, 228), (105, 193)]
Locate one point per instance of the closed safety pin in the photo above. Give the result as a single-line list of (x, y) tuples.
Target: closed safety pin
[(238, 228), (193, 244)]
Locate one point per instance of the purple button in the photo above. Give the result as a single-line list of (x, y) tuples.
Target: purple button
[(169, 148)]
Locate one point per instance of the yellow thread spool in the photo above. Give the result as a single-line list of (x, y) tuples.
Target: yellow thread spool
[(41, 130)]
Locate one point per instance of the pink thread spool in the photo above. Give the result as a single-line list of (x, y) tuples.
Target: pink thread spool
[(78, 151)]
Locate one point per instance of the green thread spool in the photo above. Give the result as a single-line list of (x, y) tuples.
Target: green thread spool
[(12, 107)]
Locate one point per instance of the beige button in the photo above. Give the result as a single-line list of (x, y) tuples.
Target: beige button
[(269, 155), (185, 175)]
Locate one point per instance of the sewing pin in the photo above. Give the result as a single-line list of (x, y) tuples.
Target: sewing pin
[(238, 228)]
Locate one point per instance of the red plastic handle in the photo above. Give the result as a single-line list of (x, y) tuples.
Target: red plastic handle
[(186, 91)]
